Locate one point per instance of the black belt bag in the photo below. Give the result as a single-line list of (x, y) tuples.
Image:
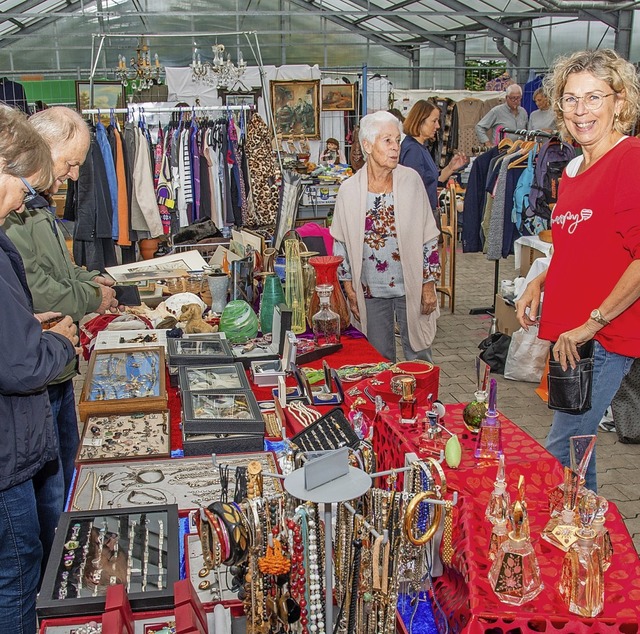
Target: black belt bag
[(570, 389)]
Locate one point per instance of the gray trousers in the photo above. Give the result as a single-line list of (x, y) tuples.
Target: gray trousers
[(381, 316)]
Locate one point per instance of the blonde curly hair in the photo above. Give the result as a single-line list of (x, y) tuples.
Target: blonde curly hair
[(606, 65)]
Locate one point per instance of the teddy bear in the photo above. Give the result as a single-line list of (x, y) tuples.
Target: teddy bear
[(192, 314)]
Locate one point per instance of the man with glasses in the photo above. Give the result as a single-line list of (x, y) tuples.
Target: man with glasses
[(509, 115), (57, 284)]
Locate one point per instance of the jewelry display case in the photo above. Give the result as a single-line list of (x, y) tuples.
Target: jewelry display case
[(202, 444), (125, 437), (331, 431), (199, 350), (221, 413), (131, 339), (124, 381), (94, 550), (230, 377), (187, 482)]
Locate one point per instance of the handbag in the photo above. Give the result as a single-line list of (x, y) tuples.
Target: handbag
[(570, 389), (494, 350)]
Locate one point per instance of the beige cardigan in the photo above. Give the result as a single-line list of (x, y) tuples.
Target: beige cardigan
[(415, 226)]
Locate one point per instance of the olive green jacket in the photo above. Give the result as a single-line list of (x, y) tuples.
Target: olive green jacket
[(54, 281)]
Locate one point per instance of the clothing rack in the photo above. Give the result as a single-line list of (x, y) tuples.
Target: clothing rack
[(527, 134), (158, 109)]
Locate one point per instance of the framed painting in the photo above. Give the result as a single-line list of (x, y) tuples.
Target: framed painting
[(296, 108), (338, 96), (106, 95), (240, 98)]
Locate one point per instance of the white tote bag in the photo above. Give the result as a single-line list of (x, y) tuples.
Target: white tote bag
[(527, 356)]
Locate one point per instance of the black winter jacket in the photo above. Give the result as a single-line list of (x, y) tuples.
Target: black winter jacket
[(30, 359)]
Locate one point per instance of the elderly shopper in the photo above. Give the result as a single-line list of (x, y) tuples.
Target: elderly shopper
[(544, 118), (31, 358), (384, 228), (592, 286), (508, 115), (421, 125), (58, 284)]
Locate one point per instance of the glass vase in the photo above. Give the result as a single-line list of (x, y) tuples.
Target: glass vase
[(272, 295), (309, 282), (294, 291), (326, 267)]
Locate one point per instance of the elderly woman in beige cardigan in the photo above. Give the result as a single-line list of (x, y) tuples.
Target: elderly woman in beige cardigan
[(384, 228)]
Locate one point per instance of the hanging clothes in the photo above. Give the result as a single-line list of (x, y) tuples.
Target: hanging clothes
[(110, 170), (12, 93)]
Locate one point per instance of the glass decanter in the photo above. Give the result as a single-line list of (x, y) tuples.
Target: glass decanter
[(499, 496), (515, 573), (489, 442), (580, 451), (500, 528), (560, 530), (582, 579), (603, 539), (325, 323), (475, 412)]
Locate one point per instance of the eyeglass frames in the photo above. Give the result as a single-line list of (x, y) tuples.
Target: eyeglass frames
[(31, 193), (592, 101)]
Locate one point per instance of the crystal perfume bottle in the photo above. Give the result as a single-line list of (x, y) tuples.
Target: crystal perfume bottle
[(582, 578), (561, 529), (603, 539), (500, 528), (515, 573), (489, 442), (325, 323), (407, 404), (499, 501)]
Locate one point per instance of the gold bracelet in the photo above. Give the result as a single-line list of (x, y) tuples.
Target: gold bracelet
[(396, 369), (443, 478), (409, 515), (446, 548)]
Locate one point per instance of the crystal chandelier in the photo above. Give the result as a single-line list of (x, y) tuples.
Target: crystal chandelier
[(141, 72), (218, 73)]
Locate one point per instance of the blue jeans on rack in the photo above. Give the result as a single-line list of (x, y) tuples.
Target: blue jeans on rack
[(609, 369), (20, 557)]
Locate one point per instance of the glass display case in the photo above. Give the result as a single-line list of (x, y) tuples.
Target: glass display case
[(94, 550), (123, 381), (124, 437), (221, 413), (213, 349), (230, 377)]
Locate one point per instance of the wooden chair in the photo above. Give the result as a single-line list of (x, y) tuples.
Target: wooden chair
[(447, 250)]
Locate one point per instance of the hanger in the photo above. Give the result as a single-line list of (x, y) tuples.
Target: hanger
[(526, 147)]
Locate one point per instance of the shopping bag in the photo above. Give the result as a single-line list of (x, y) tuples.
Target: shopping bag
[(527, 356), (494, 351)]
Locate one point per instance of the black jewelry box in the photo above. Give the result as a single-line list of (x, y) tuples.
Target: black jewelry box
[(92, 550), (332, 431), (211, 349), (203, 444), (219, 378), (217, 412)]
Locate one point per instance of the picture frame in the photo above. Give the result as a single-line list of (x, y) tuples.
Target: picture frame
[(338, 96), (240, 97), (106, 95), (296, 108)]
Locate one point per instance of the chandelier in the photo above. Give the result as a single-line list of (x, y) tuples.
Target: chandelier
[(219, 72), (141, 72)]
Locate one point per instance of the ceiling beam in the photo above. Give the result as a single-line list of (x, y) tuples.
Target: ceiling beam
[(494, 26)]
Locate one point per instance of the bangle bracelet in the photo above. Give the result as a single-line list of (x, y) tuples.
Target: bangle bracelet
[(409, 516), (396, 369), (434, 464), (396, 383), (221, 535)]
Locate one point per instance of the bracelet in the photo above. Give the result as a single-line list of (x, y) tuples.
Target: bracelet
[(396, 383), (396, 369), (442, 487), (409, 516), (231, 524), (220, 533)]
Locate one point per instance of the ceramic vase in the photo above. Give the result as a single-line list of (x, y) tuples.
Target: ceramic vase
[(326, 267), (272, 295), (148, 246)]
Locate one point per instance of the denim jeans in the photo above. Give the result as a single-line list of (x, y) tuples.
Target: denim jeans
[(609, 369), (50, 483), (380, 328), (20, 556)]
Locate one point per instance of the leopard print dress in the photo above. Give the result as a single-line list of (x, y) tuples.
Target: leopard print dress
[(262, 173)]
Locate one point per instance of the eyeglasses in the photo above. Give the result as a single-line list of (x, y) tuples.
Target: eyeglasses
[(592, 101), (31, 193)]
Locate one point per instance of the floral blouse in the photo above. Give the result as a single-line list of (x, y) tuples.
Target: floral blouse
[(381, 266)]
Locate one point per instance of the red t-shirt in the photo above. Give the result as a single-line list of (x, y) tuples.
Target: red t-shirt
[(596, 235)]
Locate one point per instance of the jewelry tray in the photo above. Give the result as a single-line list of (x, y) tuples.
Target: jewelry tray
[(187, 482), (331, 431), (203, 378), (137, 547), (124, 437), (120, 381), (203, 444), (131, 339), (215, 412), (199, 350)]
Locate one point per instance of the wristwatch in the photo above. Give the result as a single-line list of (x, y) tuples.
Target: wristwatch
[(596, 315)]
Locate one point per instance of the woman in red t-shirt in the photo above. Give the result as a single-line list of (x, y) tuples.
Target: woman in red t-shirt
[(592, 286)]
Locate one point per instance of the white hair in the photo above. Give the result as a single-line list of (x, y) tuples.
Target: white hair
[(371, 124), (511, 88), (58, 125)]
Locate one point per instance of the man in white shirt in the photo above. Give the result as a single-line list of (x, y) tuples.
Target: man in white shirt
[(509, 115)]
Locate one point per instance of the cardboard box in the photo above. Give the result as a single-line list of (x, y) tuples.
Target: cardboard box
[(507, 322), (527, 256)]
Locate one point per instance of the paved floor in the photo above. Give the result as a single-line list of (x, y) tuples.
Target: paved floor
[(455, 349)]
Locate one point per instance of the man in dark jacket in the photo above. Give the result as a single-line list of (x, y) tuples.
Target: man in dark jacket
[(57, 284), (31, 358)]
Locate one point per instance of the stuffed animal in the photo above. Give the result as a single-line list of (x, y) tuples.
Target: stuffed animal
[(192, 314)]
